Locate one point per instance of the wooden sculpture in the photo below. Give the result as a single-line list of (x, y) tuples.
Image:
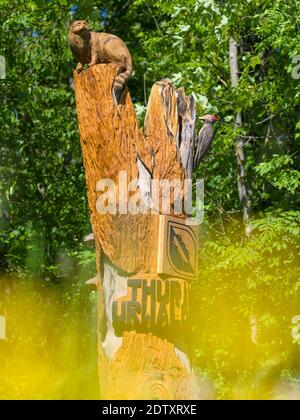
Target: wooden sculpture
[(94, 48), (146, 262)]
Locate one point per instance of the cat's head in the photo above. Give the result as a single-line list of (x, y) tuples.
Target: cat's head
[(79, 26)]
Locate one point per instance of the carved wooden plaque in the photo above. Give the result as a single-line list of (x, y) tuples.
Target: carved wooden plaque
[(160, 301), (177, 248)]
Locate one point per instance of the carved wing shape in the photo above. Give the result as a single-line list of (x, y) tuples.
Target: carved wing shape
[(144, 183)]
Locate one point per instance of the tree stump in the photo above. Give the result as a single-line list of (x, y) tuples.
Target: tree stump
[(143, 300)]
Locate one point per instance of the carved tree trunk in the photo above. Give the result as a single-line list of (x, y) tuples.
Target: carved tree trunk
[(143, 313)]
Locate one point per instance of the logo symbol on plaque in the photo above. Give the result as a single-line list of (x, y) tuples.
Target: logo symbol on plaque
[(177, 248)]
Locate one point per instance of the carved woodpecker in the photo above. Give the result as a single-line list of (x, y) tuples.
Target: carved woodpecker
[(204, 139)]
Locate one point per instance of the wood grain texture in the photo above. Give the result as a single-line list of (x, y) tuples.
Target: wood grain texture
[(162, 131), (145, 366), (111, 141)]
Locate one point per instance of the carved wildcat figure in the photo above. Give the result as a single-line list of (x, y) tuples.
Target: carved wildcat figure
[(100, 48)]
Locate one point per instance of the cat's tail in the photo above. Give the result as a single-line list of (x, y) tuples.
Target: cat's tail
[(122, 79)]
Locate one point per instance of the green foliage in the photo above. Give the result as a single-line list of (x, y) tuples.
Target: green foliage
[(43, 204), (51, 350), (244, 283), (42, 186), (42, 181), (279, 174)]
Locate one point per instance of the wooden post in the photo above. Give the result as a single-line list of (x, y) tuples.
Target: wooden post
[(143, 301)]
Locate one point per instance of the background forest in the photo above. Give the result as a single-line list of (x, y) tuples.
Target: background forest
[(247, 291)]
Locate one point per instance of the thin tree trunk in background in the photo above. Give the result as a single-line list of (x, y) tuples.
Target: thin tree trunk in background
[(240, 156), (239, 148)]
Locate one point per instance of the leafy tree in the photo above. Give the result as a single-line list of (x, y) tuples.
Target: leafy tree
[(44, 214)]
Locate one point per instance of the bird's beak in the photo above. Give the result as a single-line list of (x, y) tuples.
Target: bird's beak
[(207, 117)]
